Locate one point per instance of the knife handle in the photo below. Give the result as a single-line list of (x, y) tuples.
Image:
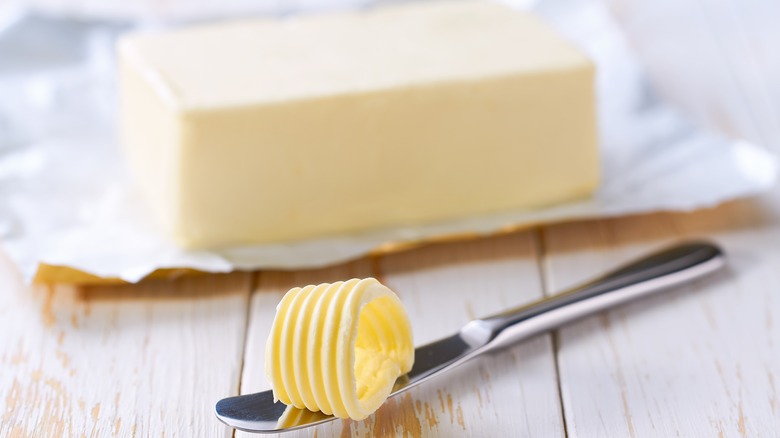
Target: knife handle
[(660, 271)]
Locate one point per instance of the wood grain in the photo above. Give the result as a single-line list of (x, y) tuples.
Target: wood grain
[(701, 360), (148, 360), (716, 59), (443, 286)]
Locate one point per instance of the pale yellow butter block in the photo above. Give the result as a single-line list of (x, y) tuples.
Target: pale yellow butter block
[(279, 130)]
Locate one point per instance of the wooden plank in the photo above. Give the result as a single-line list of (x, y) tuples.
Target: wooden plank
[(702, 360), (145, 360), (513, 393)]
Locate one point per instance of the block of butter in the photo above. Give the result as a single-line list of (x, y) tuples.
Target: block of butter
[(265, 130)]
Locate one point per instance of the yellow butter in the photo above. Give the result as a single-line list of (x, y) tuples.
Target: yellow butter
[(338, 348), (261, 131)]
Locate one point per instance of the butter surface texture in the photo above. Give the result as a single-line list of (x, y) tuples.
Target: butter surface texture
[(338, 348), (266, 131)]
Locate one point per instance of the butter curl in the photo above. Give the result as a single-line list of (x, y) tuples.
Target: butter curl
[(339, 347)]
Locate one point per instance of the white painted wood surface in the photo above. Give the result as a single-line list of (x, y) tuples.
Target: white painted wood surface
[(716, 59), (702, 360), (152, 359), (513, 392), (443, 287), (137, 361)]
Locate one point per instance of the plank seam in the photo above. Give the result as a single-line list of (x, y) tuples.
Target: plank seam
[(254, 281), (540, 244)]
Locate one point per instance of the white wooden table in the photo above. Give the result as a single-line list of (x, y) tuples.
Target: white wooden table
[(152, 359)]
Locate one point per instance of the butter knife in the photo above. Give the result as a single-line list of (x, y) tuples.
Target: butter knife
[(660, 271)]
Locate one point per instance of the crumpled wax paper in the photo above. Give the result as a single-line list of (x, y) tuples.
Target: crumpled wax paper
[(66, 200)]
